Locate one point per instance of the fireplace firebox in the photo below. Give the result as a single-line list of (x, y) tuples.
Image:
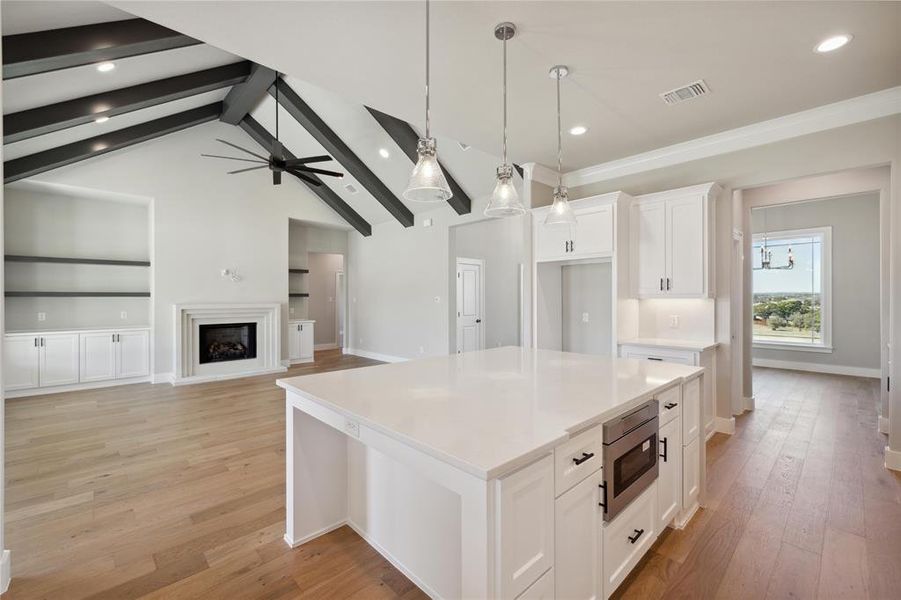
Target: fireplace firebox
[(220, 342)]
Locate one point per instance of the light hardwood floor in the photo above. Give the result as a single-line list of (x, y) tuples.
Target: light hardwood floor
[(159, 492)]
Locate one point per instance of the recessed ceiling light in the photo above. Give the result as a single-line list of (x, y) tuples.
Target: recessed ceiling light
[(578, 130), (833, 43), (106, 66), (384, 153), (463, 147), (102, 119)]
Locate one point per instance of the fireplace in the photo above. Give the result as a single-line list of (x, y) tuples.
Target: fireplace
[(222, 342)]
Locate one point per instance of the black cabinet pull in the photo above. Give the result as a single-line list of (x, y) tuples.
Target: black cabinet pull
[(670, 405), (603, 504), (638, 534), (667, 284), (585, 456), (661, 284), (572, 246), (663, 456), (35, 342), (655, 358)]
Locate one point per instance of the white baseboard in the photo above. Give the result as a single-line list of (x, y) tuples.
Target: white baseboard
[(394, 561), (226, 376), (162, 378), (818, 368), (58, 389), (328, 346), (883, 425), (892, 459), (724, 425), (685, 516), (300, 361), (314, 535), (5, 571), (375, 355), (748, 403)]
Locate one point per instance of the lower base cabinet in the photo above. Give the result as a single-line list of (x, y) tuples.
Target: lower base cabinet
[(115, 355), (578, 517), (691, 474), (669, 478), (543, 589), (300, 341), (628, 537)]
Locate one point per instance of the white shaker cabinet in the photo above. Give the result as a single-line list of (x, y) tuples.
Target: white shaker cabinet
[(669, 478), (132, 354), (109, 355), (300, 341), (577, 529), (672, 241), (592, 236), (40, 360), (21, 362), (59, 359)]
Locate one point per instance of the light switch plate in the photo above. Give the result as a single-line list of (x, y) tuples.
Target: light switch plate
[(584, 317), (674, 321), (42, 316)]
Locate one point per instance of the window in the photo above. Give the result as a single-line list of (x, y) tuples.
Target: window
[(791, 289)]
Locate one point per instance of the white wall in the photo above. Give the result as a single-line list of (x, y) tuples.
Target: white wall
[(323, 300), (855, 292), (587, 290), (304, 239), (204, 221)]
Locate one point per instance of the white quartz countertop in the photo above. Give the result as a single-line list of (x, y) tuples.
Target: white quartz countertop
[(489, 412), (675, 344)]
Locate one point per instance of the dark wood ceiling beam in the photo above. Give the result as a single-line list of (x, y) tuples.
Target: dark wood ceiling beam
[(242, 98), (329, 140), (62, 115), (42, 51), (325, 193), (406, 138), (28, 166)]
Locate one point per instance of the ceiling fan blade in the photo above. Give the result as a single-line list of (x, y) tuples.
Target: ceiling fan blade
[(233, 158), (248, 169), (318, 171), (308, 159), (278, 150), (305, 178), (243, 150), (276, 177)]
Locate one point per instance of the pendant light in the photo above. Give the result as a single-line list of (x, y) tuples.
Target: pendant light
[(561, 212), (504, 200), (427, 182)]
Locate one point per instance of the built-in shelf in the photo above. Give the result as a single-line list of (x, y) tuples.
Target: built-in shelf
[(77, 294), (78, 261), (298, 270), (299, 295)]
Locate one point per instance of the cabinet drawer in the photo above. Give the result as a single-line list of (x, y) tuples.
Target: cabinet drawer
[(577, 458), (543, 589), (628, 537), (669, 402)]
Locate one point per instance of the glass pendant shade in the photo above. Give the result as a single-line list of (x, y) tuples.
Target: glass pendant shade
[(504, 200), (427, 182), (561, 212)]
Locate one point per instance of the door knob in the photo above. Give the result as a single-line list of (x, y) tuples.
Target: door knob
[(478, 320)]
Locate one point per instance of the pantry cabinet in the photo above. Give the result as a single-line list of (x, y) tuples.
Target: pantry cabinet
[(672, 242)]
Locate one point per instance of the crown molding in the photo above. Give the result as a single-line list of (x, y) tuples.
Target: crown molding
[(540, 173), (829, 116)]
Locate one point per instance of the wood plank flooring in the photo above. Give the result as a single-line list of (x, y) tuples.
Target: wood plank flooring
[(178, 493)]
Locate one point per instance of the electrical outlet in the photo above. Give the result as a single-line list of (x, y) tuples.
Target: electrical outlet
[(584, 317), (42, 316), (422, 350), (674, 321), (123, 315), (437, 299)]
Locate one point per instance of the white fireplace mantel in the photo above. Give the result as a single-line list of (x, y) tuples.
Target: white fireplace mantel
[(189, 317)]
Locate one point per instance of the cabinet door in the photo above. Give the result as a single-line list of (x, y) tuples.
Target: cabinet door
[(685, 246), (551, 240), (21, 362), (669, 479), (651, 260), (691, 473), (526, 526), (59, 359), (543, 589), (593, 232), (293, 341), (691, 409), (98, 356), (577, 533), (133, 354), (306, 340)]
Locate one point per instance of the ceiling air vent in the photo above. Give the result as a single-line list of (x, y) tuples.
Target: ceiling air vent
[(350, 188), (686, 92)]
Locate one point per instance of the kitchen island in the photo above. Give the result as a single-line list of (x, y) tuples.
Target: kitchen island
[(464, 470)]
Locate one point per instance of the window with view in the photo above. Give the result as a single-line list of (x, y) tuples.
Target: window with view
[(791, 288)]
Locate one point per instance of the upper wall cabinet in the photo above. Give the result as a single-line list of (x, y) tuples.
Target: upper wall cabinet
[(591, 237), (671, 242)]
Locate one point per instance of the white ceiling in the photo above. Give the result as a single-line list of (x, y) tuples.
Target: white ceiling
[(24, 16), (756, 57)]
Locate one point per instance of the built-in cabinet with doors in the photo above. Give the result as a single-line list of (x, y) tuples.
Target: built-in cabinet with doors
[(671, 236), (300, 341), (591, 236), (50, 361)]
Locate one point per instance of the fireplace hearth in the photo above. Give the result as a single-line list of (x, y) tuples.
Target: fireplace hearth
[(222, 342)]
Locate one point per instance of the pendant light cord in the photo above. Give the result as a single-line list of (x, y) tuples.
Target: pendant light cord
[(505, 99), (559, 137), (427, 113), (276, 107)]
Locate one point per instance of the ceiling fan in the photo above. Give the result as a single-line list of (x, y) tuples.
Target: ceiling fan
[(277, 163)]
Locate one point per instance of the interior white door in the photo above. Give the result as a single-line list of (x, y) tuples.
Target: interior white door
[(21, 363), (59, 359), (469, 305), (133, 354), (593, 232), (651, 229), (97, 356), (685, 245), (577, 531)]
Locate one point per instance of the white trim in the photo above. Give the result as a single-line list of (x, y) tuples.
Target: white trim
[(829, 116), (326, 346), (56, 389), (299, 542), (375, 355), (883, 425), (540, 173), (5, 571), (162, 377), (800, 347), (892, 459), (226, 376), (818, 368), (724, 425), (748, 403), (409, 574)]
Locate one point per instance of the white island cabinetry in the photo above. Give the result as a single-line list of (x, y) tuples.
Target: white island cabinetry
[(479, 475)]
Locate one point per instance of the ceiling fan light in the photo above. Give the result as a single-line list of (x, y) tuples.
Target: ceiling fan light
[(504, 200), (427, 182), (561, 212)]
